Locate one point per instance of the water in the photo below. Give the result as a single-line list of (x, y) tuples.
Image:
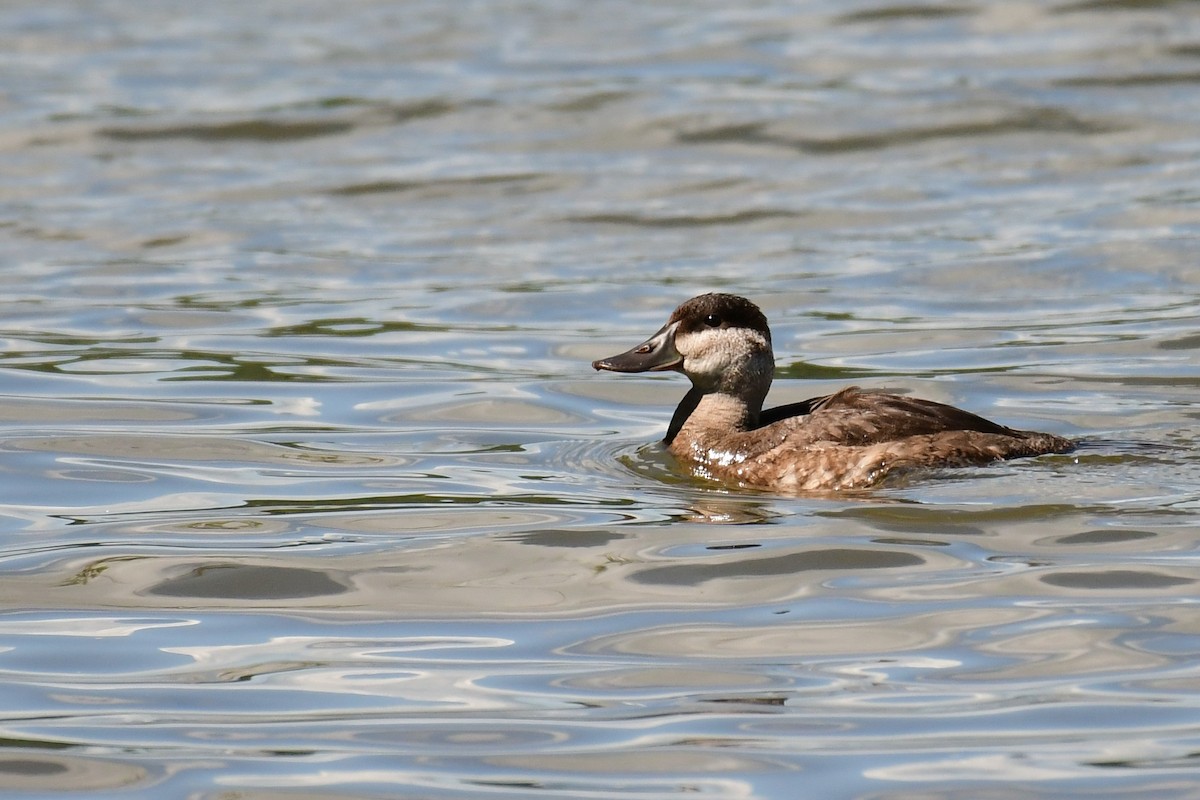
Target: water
[(309, 490)]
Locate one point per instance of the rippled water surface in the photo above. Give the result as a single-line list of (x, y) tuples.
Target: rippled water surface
[(309, 490)]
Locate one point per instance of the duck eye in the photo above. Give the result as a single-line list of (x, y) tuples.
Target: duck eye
[(712, 321)]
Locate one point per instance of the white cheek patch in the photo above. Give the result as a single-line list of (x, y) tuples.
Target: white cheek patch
[(714, 351), (705, 352)]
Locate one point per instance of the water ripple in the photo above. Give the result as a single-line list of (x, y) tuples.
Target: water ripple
[(309, 488)]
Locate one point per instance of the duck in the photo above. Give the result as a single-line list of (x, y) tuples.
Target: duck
[(852, 439)]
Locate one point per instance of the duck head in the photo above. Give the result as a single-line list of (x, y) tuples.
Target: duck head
[(720, 341)]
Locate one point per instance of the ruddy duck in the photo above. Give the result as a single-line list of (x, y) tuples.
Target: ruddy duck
[(841, 441)]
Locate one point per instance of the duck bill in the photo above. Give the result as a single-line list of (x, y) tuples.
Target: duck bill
[(653, 355)]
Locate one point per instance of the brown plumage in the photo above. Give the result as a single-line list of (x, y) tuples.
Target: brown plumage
[(849, 439)]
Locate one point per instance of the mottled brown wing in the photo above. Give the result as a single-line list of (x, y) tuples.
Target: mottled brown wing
[(856, 417)]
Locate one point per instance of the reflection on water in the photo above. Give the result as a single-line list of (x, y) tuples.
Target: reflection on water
[(309, 490), (246, 582)]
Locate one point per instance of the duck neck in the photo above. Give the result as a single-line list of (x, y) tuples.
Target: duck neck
[(713, 411)]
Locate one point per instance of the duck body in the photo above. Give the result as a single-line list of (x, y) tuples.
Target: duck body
[(851, 439)]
